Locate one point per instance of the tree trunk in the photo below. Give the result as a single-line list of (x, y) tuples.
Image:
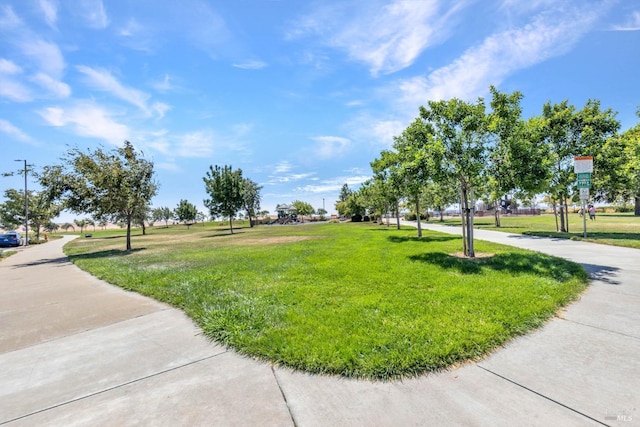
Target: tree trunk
[(563, 228), (441, 213), (144, 229), (470, 212), (231, 223), (463, 219), (398, 214), (496, 214), (128, 233), (250, 220), (566, 212), (418, 216), (636, 211)]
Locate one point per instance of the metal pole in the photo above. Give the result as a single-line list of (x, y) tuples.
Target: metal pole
[(584, 218), (26, 205)]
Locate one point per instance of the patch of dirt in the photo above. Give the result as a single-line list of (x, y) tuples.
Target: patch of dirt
[(478, 255)]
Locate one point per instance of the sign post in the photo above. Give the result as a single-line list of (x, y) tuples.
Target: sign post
[(583, 167)]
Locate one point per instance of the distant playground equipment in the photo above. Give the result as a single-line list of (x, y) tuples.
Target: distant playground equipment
[(286, 215)]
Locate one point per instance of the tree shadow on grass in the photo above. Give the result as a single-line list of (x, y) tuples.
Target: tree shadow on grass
[(224, 234), (105, 254), (424, 239), (512, 262)]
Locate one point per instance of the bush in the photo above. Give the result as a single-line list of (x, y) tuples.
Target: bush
[(410, 216), (366, 218), (356, 218)]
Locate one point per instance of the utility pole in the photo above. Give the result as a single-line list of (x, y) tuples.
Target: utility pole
[(26, 205)]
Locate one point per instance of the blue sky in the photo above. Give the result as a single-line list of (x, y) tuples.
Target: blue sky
[(301, 95)]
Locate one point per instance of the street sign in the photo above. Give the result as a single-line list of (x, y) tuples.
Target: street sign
[(583, 164), (584, 180), (584, 193)]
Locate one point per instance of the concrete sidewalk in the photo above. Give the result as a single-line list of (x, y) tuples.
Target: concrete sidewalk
[(77, 351)]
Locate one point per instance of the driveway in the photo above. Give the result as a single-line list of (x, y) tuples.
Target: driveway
[(77, 351)]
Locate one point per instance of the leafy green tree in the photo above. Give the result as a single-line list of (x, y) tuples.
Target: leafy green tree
[(224, 186), (41, 210), (322, 212), (388, 172), (66, 226), (302, 208), (162, 214), (459, 138), (80, 223), (340, 205), (618, 168), (186, 212), (114, 185), (251, 199), (514, 144), (569, 133)]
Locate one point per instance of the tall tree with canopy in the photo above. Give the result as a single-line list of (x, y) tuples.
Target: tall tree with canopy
[(569, 133), (41, 210), (186, 212), (251, 198), (517, 160), (459, 137), (114, 184), (224, 186)]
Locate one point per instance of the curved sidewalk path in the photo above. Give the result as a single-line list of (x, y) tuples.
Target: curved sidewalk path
[(77, 351)]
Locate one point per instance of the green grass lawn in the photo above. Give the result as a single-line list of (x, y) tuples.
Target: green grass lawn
[(611, 229), (358, 300)]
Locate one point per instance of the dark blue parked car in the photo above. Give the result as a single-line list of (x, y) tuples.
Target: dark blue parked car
[(10, 239)]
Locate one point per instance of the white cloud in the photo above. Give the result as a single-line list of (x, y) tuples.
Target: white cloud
[(387, 37), (88, 120), (160, 108), (8, 19), (55, 87), (9, 67), (103, 80), (45, 55), (8, 128), (334, 185), (251, 65), (328, 147), (93, 13), (282, 167), (632, 23), (14, 90), (498, 56), (195, 144), (49, 9), (165, 85)]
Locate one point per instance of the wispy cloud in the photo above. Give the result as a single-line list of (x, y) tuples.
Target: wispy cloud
[(53, 86), (49, 10), (328, 147), (282, 167), (93, 13), (499, 55), (164, 85), (631, 24), (195, 144), (14, 90), (9, 129), (88, 120), (334, 185), (387, 37), (103, 80), (251, 65), (47, 56), (8, 18)]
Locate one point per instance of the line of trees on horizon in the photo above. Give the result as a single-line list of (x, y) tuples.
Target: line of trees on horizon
[(458, 152)]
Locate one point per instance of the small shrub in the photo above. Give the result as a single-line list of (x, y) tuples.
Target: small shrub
[(356, 218)]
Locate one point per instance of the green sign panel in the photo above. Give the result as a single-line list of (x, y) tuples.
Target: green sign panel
[(584, 180)]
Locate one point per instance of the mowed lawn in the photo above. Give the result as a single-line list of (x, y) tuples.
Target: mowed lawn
[(357, 300), (622, 229)]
